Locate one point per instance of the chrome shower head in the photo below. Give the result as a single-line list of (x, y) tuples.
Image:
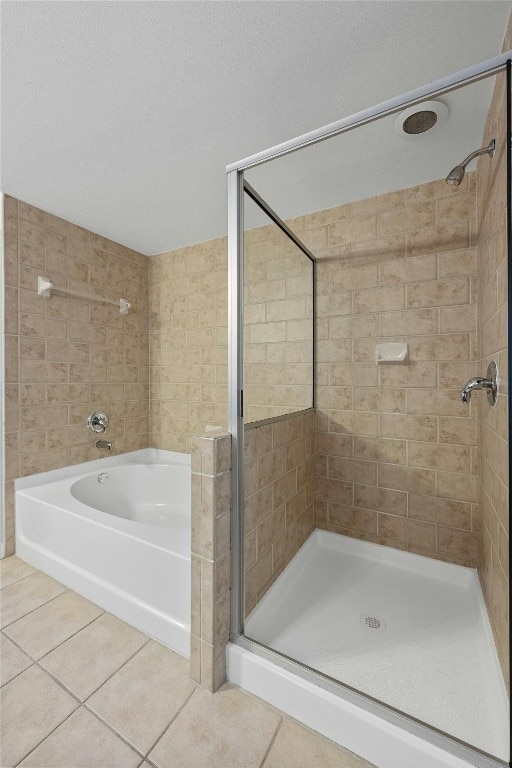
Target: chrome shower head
[(457, 174)]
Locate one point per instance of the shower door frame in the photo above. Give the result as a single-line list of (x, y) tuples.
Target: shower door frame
[(236, 189)]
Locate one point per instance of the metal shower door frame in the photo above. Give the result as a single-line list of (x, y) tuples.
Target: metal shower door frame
[(235, 173)]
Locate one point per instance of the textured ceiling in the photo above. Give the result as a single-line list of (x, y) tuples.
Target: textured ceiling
[(121, 116)]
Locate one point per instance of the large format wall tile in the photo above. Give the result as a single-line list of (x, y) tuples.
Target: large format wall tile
[(492, 313), (188, 343), (389, 435), (68, 357), (279, 498)]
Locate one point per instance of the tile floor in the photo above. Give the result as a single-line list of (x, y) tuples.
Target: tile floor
[(82, 689)]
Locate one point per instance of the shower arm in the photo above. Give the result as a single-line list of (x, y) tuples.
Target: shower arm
[(489, 150)]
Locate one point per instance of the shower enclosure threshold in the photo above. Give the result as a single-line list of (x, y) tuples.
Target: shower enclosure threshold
[(407, 630)]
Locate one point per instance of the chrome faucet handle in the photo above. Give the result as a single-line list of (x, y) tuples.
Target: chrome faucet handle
[(490, 383), (97, 422), (472, 384)]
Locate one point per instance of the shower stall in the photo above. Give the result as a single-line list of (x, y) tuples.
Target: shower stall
[(368, 294)]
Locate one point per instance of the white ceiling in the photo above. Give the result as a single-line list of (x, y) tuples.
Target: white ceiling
[(121, 116)]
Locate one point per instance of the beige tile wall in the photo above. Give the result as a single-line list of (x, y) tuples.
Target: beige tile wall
[(278, 325), (65, 357), (279, 481), (396, 449), (493, 565), (211, 505), (188, 343), (188, 335)]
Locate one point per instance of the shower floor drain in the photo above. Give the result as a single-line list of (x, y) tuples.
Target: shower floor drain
[(372, 622)]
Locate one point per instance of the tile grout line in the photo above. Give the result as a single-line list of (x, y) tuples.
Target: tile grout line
[(47, 735), (17, 675), (34, 609), (22, 578), (272, 741), (32, 662), (82, 704), (178, 713), (119, 668), (36, 661), (112, 730), (70, 692)]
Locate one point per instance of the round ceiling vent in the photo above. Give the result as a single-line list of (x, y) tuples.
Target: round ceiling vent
[(417, 120)]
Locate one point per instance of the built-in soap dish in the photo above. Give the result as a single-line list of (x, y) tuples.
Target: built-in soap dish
[(392, 352)]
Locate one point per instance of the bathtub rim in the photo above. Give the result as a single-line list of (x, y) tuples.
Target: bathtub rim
[(153, 455), (159, 537)]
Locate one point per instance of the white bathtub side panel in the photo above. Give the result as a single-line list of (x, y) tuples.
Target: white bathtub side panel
[(364, 733), (140, 583)]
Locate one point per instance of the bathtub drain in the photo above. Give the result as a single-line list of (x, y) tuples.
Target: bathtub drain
[(372, 622)]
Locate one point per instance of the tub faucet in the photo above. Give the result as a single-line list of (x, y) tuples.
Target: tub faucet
[(103, 445)]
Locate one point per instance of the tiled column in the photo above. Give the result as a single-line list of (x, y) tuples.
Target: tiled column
[(211, 503)]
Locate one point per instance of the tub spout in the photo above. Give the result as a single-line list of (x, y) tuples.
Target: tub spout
[(103, 445)]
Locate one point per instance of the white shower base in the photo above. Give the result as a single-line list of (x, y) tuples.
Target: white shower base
[(433, 656)]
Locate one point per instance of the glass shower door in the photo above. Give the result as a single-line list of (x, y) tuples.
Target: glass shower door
[(397, 590)]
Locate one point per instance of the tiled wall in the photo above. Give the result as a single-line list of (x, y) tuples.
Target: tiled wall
[(493, 563), (211, 497), (65, 357), (396, 448), (278, 325), (188, 335), (188, 343), (279, 498), (396, 456)]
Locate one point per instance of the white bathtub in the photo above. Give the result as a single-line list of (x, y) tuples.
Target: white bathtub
[(117, 531)]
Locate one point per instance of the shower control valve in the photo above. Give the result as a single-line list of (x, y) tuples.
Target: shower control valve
[(97, 422)]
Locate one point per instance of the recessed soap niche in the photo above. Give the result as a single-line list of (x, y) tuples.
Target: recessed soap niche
[(392, 352)]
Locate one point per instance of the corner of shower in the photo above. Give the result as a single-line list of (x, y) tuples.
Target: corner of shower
[(264, 655)]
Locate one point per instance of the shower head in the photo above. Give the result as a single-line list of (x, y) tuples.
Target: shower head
[(457, 174)]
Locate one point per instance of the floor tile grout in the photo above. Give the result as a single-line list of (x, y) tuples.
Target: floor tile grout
[(83, 704), (80, 702), (22, 578), (151, 763), (61, 685), (17, 675), (36, 608), (119, 668), (86, 706), (178, 713), (113, 730), (47, 735), (272, 741), (56, 646), (16, 644), (74, 695)]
